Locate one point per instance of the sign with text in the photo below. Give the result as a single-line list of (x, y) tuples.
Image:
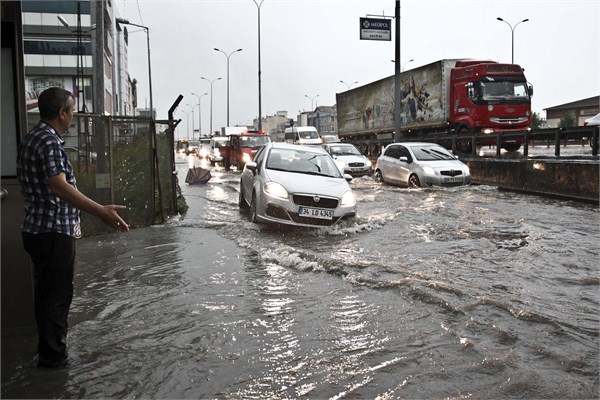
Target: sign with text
[(375, 29)]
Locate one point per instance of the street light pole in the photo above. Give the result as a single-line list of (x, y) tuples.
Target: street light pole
[(199, 113), (348, 85), (227, 55), (311, 101), (512, 32), (126, 22), (211, 100), (193, 127), (259, 72)]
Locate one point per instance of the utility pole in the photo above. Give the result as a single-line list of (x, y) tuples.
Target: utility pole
[(397, 88)]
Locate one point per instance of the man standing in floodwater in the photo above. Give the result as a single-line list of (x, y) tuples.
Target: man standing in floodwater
[(51, 225)]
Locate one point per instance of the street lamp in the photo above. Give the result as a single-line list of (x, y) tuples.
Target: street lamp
[(348, 85), (259, 72), (512, 31), (227, 55), (199, 113), (193, 127), (406, 63), (312, 98), (211, 100), (187, 122), (79, 32), (126, 22)]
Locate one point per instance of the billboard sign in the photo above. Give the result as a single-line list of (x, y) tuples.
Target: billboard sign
[(375, 29)]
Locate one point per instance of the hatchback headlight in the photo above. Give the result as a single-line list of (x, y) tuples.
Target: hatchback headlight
[(368, 163), (467, 170), (276, 189), (348, 199), (428, 170)]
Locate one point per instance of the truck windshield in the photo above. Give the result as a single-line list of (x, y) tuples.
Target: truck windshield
[(254, 141), (493, 90)]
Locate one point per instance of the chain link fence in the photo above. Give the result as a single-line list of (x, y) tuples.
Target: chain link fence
[(123, 160)]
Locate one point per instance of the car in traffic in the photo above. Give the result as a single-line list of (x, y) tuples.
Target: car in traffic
[(298, 185), (417, 164), (216, 144), (348, 159), (595, 120)]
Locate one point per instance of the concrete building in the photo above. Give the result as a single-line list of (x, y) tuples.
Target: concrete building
[(78, 46), (272, 124), (581, 110)]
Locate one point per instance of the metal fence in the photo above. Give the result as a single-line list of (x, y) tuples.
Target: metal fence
[(122, 160)]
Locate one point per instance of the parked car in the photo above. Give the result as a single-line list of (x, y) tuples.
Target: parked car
[(330, 138), (348, 159), (420, 164), (216, 143), (295, 185), (595, 120)]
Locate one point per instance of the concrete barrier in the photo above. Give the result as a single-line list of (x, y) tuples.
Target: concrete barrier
[(575, 179)]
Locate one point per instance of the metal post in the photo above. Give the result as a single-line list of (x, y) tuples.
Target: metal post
[(227, 56), (512, 34), (211, 101), (397, 89), (259, 71), (200, 114)]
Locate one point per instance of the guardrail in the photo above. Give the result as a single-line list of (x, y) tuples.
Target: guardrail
[(557, 136)]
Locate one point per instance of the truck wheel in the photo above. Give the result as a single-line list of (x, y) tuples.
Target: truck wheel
[(378, 176), (413, 181), (511, 147)]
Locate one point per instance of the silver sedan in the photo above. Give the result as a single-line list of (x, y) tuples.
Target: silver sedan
[(415, 164), (295, 185)]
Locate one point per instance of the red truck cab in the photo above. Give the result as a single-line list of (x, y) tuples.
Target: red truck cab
[(489, 97), (241, 148)]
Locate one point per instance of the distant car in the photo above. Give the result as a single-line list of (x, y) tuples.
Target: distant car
[(295, 185), (348, 159), (216, 143), (595, 120), (420, 164), (330, 138)]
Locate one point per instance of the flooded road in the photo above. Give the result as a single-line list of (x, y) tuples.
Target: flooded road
[(431, 293)]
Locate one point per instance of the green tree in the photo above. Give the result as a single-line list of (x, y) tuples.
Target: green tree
[(568, 121), (536, 120)]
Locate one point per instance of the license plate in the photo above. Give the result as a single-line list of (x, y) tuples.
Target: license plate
[(315, 213), (453, 180)]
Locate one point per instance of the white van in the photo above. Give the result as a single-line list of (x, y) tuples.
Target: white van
[(302, 135)]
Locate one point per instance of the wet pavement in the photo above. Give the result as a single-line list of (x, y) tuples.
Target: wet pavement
[(430, 293)]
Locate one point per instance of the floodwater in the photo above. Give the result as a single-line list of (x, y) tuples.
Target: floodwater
[(429, 294)]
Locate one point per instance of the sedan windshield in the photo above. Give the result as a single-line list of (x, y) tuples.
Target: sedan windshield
[(343, 151), (303, 162), (431, 153)]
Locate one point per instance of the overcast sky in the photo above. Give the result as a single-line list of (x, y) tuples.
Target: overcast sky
[(308, 46)]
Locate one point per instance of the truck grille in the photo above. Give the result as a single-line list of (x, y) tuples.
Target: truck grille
[(309, 201)]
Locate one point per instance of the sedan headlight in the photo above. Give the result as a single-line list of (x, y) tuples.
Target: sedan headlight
[(276, 189), (348, 199), (428, 170)]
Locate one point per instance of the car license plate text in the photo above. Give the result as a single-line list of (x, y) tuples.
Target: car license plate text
[(315, 213), (453, 180)]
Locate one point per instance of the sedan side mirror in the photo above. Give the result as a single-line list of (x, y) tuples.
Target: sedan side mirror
[(403, 158), (251, 165), (348, 177)]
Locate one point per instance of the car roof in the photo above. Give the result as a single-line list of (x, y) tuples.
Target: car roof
[(414, 144), (282, 145)]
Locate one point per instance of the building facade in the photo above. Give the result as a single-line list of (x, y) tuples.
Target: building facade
[(78, 46), (580, 109)]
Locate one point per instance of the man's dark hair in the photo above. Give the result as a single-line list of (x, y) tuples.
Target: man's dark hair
[(52, 100)]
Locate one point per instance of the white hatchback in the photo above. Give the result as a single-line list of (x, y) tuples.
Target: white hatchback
[(415, 164)]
